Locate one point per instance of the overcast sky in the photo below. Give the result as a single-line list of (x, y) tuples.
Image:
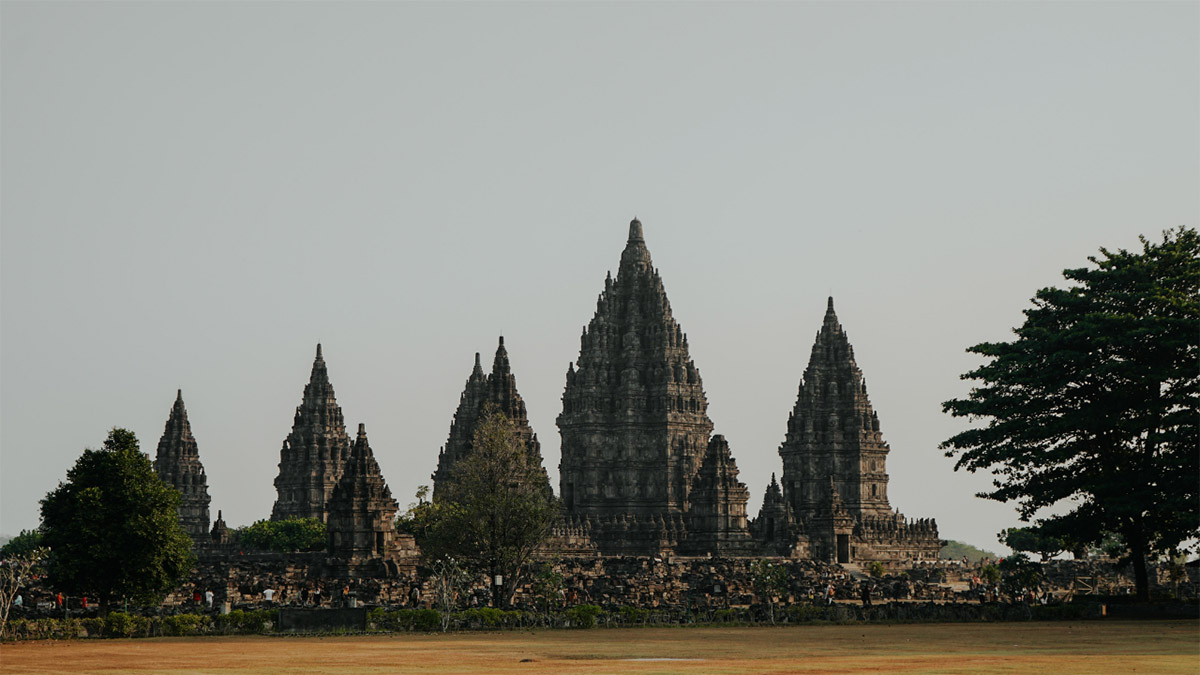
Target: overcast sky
[(194, 195)]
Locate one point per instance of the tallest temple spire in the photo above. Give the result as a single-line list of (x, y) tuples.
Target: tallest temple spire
[(635, 423)]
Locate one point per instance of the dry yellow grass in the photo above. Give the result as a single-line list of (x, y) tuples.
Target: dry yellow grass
[(1060, 648)]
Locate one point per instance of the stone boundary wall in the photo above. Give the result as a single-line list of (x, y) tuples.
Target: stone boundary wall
[(676, 584)]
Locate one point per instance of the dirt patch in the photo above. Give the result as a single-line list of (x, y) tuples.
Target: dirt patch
[(1085, 647)]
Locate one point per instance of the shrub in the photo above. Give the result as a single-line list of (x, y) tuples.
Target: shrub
[(876, 569), (185, 624), (583, 616), (121, 624), (93, 626)]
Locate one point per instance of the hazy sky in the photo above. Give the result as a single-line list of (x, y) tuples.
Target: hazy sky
[(194, 195)]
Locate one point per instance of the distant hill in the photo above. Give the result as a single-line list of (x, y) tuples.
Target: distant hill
[(955, 550)]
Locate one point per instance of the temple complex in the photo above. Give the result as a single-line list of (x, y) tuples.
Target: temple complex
[(641, 473), (634, 424), (834, 474), (177, 463), (361, 515), (499, 390), (313, 455)]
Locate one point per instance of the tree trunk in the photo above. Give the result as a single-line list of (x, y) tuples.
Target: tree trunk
[(1137, 555), (1140, 577)]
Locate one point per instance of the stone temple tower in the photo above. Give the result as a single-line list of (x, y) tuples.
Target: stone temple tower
[(177, 463), (500, 390), (834, 473), (635, 423), (834, 433), (361, 512), (314, 454)]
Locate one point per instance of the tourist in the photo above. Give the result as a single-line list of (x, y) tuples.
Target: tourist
[(414, 595), (829, 593), (208, 599), (196, 597), (18, 601), (866, 594), (269, 595)]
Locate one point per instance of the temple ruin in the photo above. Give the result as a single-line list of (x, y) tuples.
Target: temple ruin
[(634, 423), (314, 453), (498, 391), (177, 463), (834, 465), (641, 472), (361, 516)]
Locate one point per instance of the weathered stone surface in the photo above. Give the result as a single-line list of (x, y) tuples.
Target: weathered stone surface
[(177, 463), (219, 535), (314, 453), (635, 423), (499, 389), (361, 514), (716, 517), (834, 463)]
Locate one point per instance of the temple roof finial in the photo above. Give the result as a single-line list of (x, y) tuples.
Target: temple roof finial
[(319, 350), (362, 429), (178, 394), (635, 230)]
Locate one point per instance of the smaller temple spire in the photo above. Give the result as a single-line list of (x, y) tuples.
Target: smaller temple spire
[(831, 319), (319, 350), (635, 230), (478, 367), (500, 365)]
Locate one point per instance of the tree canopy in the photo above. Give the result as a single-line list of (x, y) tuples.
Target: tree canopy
[(22, 544), (285, 536), (113, 527), (1091, 412), (496, 510)]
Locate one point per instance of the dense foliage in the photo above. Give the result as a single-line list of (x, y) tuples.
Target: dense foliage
[(957, 550), (22, 544), (1092, 411), (113, 527), (285, 536), (497, 508), (1032, 540)]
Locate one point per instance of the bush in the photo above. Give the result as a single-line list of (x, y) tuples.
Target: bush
[(632, 614), (583, 616), (93, 626), (121, 624), (186, 624), (422, 620), (876, 569), (239, 621), (490, 617)]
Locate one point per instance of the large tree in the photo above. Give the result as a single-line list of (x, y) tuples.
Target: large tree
[(113, 528), (496, 510), (1091, 412)]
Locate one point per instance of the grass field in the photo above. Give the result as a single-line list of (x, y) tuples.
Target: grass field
[(1059, 648)]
